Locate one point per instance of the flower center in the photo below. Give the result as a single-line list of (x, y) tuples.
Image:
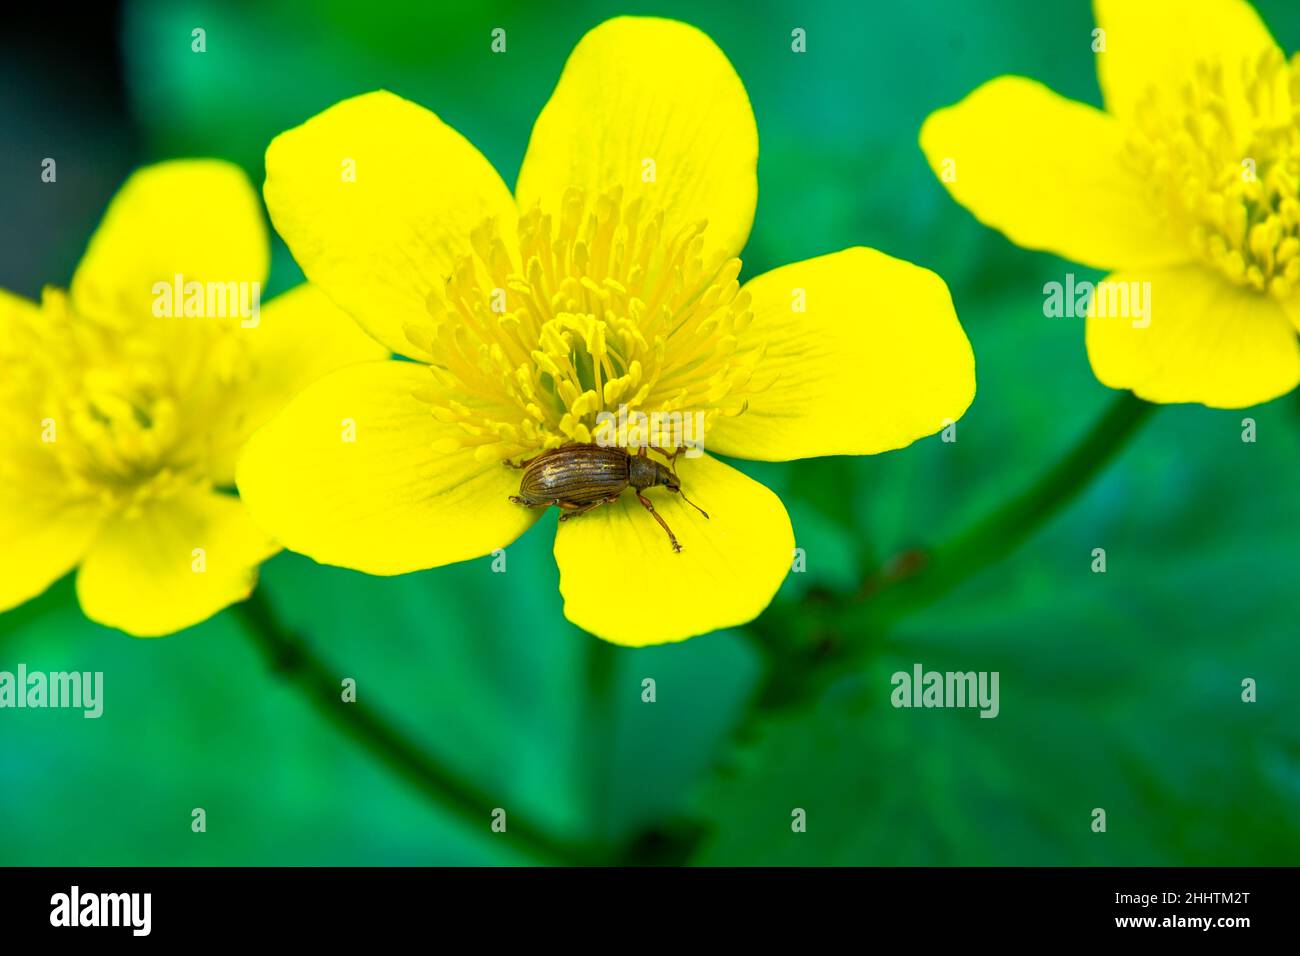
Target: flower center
[(603, 308), (122, 422), (125, 410), (1225, 169)]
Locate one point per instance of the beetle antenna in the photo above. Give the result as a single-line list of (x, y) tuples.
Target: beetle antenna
[(692, 503), (672, 467)]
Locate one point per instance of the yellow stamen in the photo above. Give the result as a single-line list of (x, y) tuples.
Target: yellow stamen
[(1227, 174), (124, 417), (604, 308)]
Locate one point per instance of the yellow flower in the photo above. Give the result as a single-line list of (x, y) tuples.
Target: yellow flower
[(609, 278), (1188, 184), (118, 425)]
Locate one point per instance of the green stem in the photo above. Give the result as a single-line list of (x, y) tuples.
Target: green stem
[(290, 655), (996, 536)]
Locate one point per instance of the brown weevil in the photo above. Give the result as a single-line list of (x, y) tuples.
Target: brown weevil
[(577, 478)]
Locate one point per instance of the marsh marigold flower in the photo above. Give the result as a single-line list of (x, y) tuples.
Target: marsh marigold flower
[(122, 408), (609, 278), (1189, 180)]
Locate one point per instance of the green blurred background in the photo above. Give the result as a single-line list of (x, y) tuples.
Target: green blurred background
[(1119, 690)]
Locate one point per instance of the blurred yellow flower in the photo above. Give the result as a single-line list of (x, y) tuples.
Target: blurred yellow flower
[(608, 279), (124, 402), (1187, 188)]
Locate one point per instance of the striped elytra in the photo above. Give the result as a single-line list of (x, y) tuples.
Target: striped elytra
[(576, 473)]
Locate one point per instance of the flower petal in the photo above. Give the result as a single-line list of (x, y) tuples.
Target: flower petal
[(638, 89), (1291, 306), (1207, 341), (44, 538), (622, 581), (197, 218), (300, 337), (43, 534), (387, 501), (145, 573), (23, 402), (1048, 173), (376, 198), (877, 360), (1157, 44)]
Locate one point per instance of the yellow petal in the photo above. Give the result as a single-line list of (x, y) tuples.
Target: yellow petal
[(622, 581), (1291, 306), (350, 474), (1207, 341), (24, 405), (197, 218), (376, 198), (1048, 173), (655, 108), (43, 534), (171, 565), (18, 314), (877, 360), (1157, 44), (44, 538), (300, 337)]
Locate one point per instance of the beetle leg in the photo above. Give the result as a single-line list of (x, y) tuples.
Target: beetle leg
[(535, 504), (522, 465), (658, 517), (672, 459), (572, 510)]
